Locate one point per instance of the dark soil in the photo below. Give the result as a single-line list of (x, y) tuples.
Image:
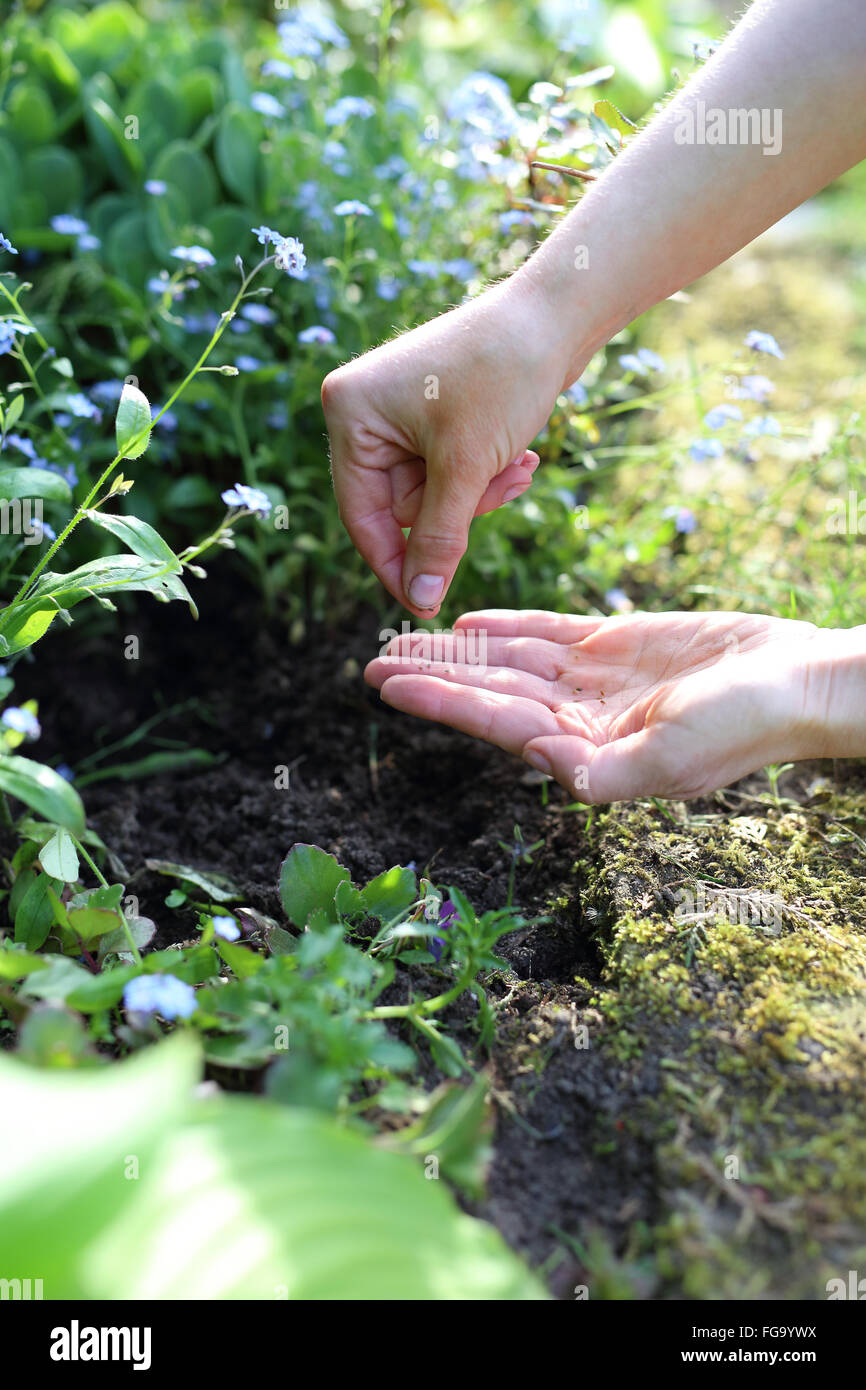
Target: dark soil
[(375, 788)]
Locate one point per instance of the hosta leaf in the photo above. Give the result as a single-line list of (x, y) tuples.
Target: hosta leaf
[(254, 1200)]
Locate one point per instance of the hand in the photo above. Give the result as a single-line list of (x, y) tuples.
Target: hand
[(431, 429), (668, 704)]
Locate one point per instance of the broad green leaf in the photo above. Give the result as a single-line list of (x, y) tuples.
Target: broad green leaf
[(90, 922), (35, 915), (14, 965), (236, 146), (59, 857), (44, 790), (309, 879), (138, 536), (13, 411), (132, 426), (390, 893), (33, 482), (333, 1217)]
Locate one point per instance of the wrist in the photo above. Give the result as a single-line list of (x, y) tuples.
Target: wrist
[(833, 679)]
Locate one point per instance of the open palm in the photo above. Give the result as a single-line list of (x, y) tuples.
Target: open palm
[(666, 704)]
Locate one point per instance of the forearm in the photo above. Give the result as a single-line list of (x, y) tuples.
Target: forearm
[(833, 680), (667, 211)]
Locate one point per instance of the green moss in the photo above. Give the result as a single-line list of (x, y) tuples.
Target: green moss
[(755, 1014)]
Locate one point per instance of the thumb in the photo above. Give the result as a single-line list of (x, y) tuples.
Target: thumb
[(438, 539)]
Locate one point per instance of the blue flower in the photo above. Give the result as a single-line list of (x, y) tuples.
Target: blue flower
[(67, 225), (21, 721), (226, 927), (7, 337), (763, 342), (289, 256), (307, 32), (388, 287), (23, 445), (482, 102), (82, 408), (160, 284), (316, 333), (642, 361), (246, 363), (577, 393), (703, 449), (515, 217), (754, 388), (721, 415), (333, 154), (248, 499), (346, 107), (275, 67), (266, 105), (89, 242), (351, 207), (684, 519), (460, 268), (763, 424), (201, 323), (618, 600), (6, 245), (48, 532), (428, 270), (65, 771), (159, 994), (258, 313), (155, 187), (447, 914), (278, 418), (167, 422), (193, 255), (107, 391), (266, 234), (68, 474)]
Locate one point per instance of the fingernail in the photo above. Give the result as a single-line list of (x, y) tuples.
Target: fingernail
[(425, 590), (539, 762), (514, 492)]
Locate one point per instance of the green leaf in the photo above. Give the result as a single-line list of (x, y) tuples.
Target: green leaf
[(219, 888), (14, 965), (13, 412), (90, 922), (59, 857), (240, 959), (33, 482), (132, 426), (334, 1217), (390, 893), (35, 914), (237, 151), (44, 790), (309, 879)]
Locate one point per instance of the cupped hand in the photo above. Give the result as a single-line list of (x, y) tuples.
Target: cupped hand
[(432, 429), (668, 704)]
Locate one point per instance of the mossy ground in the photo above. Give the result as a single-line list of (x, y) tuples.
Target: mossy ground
[(756, 1017)]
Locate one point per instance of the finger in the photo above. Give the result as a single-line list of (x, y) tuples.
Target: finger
[(506, 720), (438, 539), (618, 771), (531, 622), (506, 680), (510, 484), (364, 502), (473, 646)]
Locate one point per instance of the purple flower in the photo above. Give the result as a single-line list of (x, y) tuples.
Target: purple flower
[(193, 255), (266, 105), (248, 499), (721, 415), (316, 333), (155, 187), (226, 927), (6, 245), (21, 721), (754, 388), (684, 519), (447, 914), (67, 225), (702, 450), (763, 342), (159, 994), (352, 207), (346, 107)]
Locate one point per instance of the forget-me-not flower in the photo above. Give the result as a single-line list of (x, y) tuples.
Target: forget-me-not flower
[(159, 994)]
